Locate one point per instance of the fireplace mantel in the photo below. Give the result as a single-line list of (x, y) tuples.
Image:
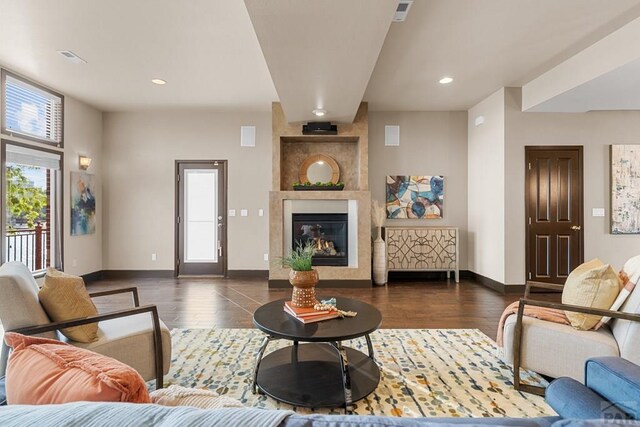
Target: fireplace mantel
[(359, 275)]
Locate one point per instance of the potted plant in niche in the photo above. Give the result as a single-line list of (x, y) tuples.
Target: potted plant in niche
[(302, 276)]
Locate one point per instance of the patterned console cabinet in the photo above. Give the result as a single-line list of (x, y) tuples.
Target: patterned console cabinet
[(422, 249)]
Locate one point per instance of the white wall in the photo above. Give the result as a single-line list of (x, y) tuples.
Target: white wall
[(140, 151), (486, 184), (595, 131), (83, 135), (431, 143)]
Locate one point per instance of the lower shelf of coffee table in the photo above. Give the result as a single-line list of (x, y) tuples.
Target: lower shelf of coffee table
[(310, 375)]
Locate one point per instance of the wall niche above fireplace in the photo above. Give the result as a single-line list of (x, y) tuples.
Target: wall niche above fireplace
[(328, 232), (296, 150), (349, 148)]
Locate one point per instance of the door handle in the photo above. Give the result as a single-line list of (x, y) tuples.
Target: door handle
[(576, 227)]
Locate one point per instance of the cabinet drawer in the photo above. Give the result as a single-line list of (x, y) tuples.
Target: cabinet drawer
[(421, 248)]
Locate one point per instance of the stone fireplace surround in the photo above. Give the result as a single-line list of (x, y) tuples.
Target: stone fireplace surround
[(350, 150)]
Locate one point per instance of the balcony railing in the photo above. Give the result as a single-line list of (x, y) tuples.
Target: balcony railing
[(29, 246)]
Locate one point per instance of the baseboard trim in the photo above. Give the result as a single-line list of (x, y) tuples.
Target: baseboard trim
[(137, 274), (92, 277), (495, 285), (325, 283), (164, 274), (401, 276), (489, 283), (248, 274), (514, 289)]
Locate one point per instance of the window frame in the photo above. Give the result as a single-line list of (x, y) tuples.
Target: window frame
[(4, 73), (59, 214)]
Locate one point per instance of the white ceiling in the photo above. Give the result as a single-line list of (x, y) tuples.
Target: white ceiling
[(484, 45), (321, 53), (617, 90), (208, 51)]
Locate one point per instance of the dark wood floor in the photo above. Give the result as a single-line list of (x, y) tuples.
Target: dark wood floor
[(230, 303)]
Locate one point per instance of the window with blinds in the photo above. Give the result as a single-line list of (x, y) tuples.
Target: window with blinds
[(31, 111)]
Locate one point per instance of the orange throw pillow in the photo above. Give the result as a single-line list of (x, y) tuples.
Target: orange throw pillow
[(43, 371)]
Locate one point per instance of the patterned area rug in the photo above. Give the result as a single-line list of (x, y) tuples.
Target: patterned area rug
[(424, 372)]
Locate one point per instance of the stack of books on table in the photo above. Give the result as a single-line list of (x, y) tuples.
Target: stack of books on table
[(308, 315)]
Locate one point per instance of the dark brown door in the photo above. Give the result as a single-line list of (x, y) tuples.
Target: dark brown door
[(554, 212), (201, 218)]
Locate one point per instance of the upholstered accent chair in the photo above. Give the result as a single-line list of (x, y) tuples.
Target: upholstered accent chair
[(558, 350), (135, 336)]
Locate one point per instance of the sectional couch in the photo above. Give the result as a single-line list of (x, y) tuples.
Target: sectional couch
[(610, 396)]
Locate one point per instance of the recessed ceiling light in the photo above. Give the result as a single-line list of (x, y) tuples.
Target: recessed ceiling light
[(319, 112), (446, 80), (159, 81)]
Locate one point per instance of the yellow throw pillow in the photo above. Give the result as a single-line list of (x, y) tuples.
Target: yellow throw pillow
[(593, 284), (64, 297)]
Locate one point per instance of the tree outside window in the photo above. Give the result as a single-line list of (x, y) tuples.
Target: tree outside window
[(26, 202)]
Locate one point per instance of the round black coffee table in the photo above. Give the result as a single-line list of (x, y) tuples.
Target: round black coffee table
[(321, 373)]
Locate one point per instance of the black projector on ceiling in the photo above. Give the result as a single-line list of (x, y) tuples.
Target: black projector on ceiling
[(319, 128)]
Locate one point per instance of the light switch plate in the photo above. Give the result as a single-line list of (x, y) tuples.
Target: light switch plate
[(244, 212), (260, 212), (232, 212), (597, 212), (266, 257)]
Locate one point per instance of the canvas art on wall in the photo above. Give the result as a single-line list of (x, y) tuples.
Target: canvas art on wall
[(415, 196), (83, 204), (625, 189)]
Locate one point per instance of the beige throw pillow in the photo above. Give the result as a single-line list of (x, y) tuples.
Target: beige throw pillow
[(592, 284), (64, 297), (629, 277)]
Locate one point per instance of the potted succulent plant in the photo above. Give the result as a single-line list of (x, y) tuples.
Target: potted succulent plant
[(302, 276)]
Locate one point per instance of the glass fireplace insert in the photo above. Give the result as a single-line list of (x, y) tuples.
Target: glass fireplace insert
[(329, 234)]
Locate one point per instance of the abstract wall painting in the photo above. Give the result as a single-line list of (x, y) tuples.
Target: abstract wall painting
[(83, 204), (415, 196), (625, 189)]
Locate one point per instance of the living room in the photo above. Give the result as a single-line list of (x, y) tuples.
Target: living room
[(441, 128)]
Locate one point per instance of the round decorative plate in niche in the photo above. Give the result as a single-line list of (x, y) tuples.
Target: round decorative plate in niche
[(319, 168)]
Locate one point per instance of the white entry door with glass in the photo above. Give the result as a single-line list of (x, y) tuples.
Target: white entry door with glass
[(200, 218)]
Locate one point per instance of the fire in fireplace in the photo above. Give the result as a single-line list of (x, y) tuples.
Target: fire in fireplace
[(327, 232)]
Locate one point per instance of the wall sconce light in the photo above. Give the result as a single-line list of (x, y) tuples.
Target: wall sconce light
[(85, 162)]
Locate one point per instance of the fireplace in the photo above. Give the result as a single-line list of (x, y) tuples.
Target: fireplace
[(327, 232)]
